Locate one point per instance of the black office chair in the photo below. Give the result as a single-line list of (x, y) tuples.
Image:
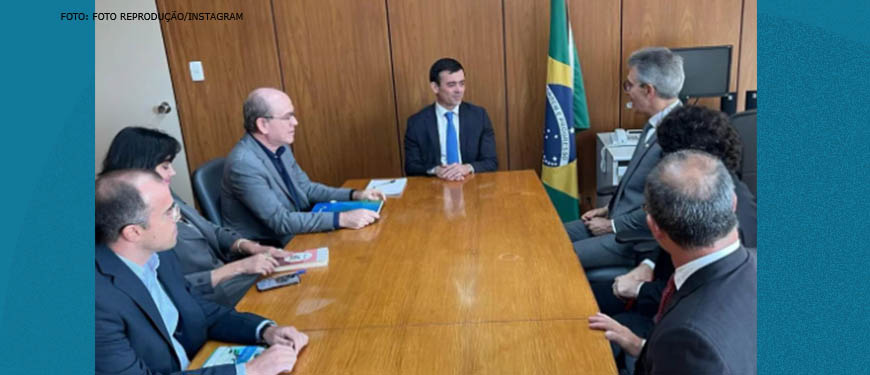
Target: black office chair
[(207, 187), (745, 123)]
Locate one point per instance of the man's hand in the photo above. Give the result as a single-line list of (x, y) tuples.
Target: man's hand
[(274, 360), (357, 219), (617, 333), (252, 247), (453, 172), (369, 195), (262, 264), (287, 336), (599, 226), (625, 286), (597, 212)]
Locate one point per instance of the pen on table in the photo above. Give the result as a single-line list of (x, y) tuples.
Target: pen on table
[(297, 273), (383, 183)]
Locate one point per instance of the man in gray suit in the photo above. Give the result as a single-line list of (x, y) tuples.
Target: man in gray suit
[(265, 195), (600, 236), (706, 320)]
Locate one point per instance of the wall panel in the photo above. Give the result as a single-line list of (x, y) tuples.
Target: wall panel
[(596, 32), (336, 62), (676, 24), (237, 56), (748, 78), (469, 31)]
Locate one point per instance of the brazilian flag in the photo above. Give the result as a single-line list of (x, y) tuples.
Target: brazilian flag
[(566, 111)]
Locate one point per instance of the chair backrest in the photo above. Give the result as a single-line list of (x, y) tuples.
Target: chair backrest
[(207, 187), (745, 123)]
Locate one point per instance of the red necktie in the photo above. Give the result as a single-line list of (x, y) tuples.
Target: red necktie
[(666, 295)]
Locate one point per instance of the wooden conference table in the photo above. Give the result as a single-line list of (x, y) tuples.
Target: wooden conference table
[(472, 277)]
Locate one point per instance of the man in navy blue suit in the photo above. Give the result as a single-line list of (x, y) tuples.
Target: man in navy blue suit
[(147, 319), (449, 139), (706, 319)]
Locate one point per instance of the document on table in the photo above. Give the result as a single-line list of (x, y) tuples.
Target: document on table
[(391, 187)]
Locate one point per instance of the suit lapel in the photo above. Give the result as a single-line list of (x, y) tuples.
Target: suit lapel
[(432, 135), (126, 281), (632, 166), (464, 134), (261, 155), (704, 275), (288, 159)]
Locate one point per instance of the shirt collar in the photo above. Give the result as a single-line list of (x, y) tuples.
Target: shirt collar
[(658, 117), (683, 272), (150, 267), (440, 110), (273, 155)]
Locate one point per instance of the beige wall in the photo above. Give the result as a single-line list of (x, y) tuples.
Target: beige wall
[(131, 77)]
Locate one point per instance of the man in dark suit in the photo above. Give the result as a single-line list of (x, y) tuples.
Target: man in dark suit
[(706, 321), (147, 319), (601, 236), (449, 139), (265, 194)]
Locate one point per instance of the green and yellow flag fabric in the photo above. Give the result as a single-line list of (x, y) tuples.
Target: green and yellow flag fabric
[(566, 111)]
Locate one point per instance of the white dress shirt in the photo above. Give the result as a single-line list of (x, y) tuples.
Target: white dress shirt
[(683, 272)]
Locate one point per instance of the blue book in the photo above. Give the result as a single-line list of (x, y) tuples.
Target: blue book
[(342, 206)]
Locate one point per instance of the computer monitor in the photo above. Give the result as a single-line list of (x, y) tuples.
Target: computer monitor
[(708, 71)]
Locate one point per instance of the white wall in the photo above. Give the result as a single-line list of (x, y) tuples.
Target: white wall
[(131, 77)]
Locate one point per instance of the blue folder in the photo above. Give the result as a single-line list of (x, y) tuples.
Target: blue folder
[(341, 206)]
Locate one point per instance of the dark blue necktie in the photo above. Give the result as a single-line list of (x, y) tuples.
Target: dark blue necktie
[(452, 140)]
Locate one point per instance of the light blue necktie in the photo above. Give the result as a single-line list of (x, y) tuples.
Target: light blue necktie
[(452, 140)]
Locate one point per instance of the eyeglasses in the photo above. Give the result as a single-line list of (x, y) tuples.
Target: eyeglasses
[(176, 213), (282, 118), (628, 85)]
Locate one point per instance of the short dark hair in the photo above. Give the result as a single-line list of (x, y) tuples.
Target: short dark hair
[(699, 128), (136, 147), (445, 64), (119, 203), (690, 196), (255, 106)]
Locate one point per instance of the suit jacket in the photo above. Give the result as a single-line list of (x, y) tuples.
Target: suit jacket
[(709, 325), (256, 202), (131, 337), (476, 140), (651, 293), (625, 208), (202, 247)]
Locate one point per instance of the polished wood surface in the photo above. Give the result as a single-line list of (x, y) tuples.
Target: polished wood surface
[(596, 34), (335, 60), (237, 56), (678, 24), (748, 69), (467, 277), (422, 32)]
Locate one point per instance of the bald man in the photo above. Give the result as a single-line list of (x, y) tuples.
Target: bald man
[(265, 195)]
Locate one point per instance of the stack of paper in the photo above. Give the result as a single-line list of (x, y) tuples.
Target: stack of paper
[(391, 187)]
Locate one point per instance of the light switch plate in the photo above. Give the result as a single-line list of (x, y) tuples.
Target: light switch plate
[(196, 73)]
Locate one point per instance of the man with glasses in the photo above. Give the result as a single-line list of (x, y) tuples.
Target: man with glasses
[(265, 195), (147, 320), (602, 236)]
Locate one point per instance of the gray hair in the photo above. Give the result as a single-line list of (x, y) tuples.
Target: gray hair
[(255, 107), (661, 68), (690, 196), (119, 203)]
